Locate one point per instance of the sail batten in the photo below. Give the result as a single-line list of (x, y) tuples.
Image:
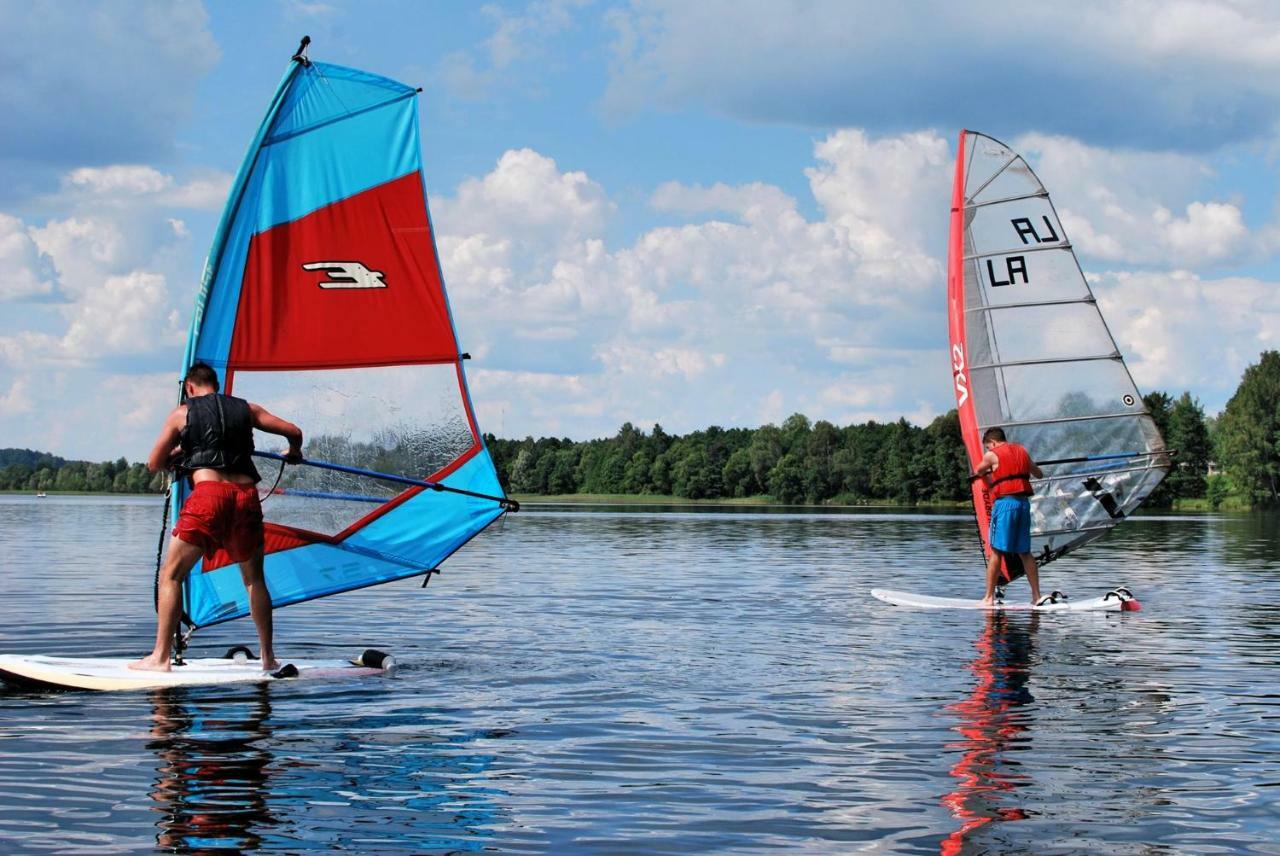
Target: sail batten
[(1036, 195), (1062, 421), (1032, 303), (1047, 361), (1007, 251), (1032, 354), (280, 138), (994, 175), (323, 301), (1075, 474)]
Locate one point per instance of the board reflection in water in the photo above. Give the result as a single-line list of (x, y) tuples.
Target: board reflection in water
[(993, 720)]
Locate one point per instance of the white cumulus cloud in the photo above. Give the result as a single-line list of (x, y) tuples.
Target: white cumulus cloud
[(526, 196), (1187, 74), (122, 183), (127, 314), (655, 363), (721, 320), (1138, 207), (27, 271), (82, 249), (1181, 332)]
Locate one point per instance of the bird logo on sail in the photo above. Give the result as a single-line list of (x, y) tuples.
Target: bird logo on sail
[(347, 275)]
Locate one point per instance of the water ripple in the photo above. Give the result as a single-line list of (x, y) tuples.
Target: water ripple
[(649, 682)]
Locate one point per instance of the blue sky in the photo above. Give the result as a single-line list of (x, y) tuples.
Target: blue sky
[(686, 213)]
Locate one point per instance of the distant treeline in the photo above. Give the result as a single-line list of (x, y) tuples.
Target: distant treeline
[(24, 469), (1233, 459), (810, 463), (797, 462)]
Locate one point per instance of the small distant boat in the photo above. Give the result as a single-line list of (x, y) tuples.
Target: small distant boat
[(41, 495)]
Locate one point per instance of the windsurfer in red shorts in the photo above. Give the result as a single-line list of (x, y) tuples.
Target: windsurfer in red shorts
[(1010, 533), (210, 437)]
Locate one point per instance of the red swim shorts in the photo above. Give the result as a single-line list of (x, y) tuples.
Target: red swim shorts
[(222, 515)]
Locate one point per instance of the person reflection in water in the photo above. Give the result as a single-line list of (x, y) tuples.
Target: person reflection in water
[(210, 437), (992, 720), (211, 780)]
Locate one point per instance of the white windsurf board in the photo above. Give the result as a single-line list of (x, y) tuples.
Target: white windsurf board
[(1116, 600), (103, 673)]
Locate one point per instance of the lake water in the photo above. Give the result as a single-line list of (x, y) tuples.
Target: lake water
[(634, 681)]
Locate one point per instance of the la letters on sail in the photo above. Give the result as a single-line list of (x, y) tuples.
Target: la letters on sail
[(1032, 354), (323, 300)]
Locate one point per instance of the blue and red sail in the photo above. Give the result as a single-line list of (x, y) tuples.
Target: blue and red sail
[(322, 300)]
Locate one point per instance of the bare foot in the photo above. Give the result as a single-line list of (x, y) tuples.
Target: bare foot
[(151, 663), (988, 601), (270, 665)]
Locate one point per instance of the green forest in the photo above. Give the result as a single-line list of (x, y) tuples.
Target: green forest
[(1230, 461), (27, 470)]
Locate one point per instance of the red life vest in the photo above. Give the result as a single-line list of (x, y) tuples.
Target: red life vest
[(1013, 476)]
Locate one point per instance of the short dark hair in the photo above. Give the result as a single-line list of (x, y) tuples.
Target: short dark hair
[(202, 375), (996, 434)]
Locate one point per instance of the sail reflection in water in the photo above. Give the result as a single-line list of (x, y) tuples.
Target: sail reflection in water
[(230, 777), (993, 720)]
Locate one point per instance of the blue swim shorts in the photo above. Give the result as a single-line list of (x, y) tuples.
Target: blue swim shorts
[(1011, 525)]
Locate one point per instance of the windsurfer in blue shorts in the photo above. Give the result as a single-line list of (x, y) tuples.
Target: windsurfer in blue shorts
[(1011, 469)]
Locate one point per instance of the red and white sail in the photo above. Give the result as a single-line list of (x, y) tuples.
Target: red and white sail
[(1031, 353)]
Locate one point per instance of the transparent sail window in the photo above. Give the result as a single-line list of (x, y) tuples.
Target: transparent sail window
[(402, 420), (1013, 181), (1096, 438), (1094, 502), (1048, 332), (1055, 391)]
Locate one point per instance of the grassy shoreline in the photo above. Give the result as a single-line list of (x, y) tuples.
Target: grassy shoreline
[(741, 502), (32, 493), (599, 499), (533, 500)]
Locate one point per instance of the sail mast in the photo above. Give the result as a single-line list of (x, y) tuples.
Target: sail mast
[(959, 352)]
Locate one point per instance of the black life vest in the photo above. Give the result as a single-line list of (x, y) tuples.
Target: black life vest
[(219, 435)]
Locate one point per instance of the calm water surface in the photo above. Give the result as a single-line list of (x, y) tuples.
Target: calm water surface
[(648, 682)]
